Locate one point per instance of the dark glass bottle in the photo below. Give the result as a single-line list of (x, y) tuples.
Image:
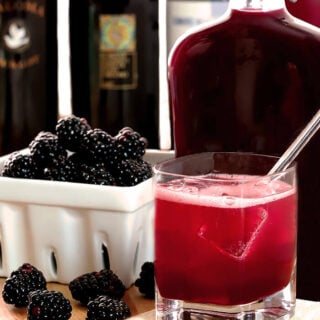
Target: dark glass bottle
[(28, 71), (114, 64), (249, 82)]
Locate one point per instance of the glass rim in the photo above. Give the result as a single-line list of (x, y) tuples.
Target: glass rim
[(158, 168)]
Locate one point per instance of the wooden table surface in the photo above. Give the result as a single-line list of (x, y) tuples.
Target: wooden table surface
[(137, 303), (141, 308)]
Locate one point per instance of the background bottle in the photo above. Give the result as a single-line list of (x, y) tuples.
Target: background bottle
[(249, 82), (28, 71), (114, 64)]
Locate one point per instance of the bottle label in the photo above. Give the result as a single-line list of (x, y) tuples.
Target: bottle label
[(117, 52), (17, 43)]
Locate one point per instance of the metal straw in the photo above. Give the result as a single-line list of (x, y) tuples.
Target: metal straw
[(298, 144)]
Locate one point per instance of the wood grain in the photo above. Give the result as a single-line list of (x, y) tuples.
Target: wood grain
[(136, 302), (141, 308)]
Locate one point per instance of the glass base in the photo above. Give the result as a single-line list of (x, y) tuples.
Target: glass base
[(279, 306)]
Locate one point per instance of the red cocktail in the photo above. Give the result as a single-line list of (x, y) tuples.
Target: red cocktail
[(225, 239)]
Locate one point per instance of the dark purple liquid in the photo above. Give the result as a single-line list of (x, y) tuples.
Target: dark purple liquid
[(252, 83)]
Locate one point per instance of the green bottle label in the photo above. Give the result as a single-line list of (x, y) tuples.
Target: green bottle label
[(117, 52)]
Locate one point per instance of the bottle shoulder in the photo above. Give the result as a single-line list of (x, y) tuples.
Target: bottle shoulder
[(276, 32)]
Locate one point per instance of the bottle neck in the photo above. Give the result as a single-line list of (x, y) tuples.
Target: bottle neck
[(264, 5)]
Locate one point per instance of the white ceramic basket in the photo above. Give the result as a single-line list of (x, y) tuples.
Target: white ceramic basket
[(67, 229)]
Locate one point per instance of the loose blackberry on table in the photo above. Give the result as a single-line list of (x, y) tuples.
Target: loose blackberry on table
[(106, 308), (145, 282), (20, 283), (90, 285), (46, 304)]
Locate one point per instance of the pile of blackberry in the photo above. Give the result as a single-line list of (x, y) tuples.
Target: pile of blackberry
[(100, 291), (76, 152), (20, 283), (27, 287)]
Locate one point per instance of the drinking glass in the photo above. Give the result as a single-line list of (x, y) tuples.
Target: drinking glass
[(225, 237)]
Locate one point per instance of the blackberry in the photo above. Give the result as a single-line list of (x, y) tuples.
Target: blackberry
[(95, 175), (65, 171), (145, 282), (70, 131), (20, 165), (46, 150), (98, 144), (90, 285), (131, 172), (105, 308), (88, 167), (130, 144), (25, 279), (45, 304)]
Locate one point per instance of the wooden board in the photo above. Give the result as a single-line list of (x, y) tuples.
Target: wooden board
[(136, 302), (141, 308)]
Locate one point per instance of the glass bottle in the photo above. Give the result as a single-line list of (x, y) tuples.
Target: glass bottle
[(114, 64), (28, 71), (249, 82)]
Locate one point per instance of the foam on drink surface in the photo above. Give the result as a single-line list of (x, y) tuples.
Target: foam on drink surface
[(224, 190)]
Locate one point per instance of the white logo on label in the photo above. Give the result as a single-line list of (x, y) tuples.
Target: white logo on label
[(17, 36)]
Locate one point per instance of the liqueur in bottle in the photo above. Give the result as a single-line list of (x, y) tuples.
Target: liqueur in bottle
[(307, 10), (250, 82), (28, 71), (114, 64)]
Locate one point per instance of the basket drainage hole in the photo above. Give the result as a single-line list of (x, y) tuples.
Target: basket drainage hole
[(105, 256), (54, 266)]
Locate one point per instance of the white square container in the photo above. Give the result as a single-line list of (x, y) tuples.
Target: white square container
[(68, 229)]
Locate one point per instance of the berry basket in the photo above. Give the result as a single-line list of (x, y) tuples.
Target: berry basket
[(67, 229)]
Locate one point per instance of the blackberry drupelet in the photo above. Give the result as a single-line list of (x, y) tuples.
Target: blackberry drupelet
[(90, 285), (46, 150), (131, 172), (130, 144), (105, 308), (17, 286), (45, 305), (98, 144), (145, 282), (70, 131), (20, 165)]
